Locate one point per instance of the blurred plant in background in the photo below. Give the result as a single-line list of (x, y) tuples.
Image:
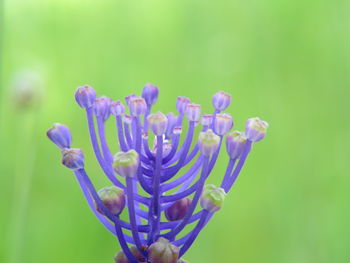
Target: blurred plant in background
[(25, 96), (157, 172)]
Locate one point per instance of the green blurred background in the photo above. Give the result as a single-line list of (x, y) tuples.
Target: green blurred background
[(286, 61)]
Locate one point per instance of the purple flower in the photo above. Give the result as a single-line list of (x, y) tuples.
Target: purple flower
[(161, 175)]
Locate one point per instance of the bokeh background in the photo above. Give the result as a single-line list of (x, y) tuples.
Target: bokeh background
[(286, 61)]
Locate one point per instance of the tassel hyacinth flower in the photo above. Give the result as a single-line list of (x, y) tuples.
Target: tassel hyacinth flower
[(163, 186)]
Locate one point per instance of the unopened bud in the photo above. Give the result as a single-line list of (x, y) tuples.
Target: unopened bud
[(223, 123), (126, 163), (181, 104), (121, 257), (256, 129), (235, 142), (163, 251), (60, 135), (208, 142), (212, 198), (73, 158), (102, 107), (221, 100), (193, 112), (178, 210), (85, 96), (137, 106), (158, 123), (113, 198), (117, 108), (150, 93)]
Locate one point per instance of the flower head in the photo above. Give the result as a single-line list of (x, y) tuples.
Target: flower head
[(153, 175)]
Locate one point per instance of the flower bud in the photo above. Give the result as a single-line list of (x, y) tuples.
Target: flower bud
[(235, 142), (163, 251), (158, 123), (256, 129), (150, 93), (117, 108), (127, 118), (208, 142), (102, 107), (223, 123), (137, 106), (172, 120), (193, 112), (60, 135), (212, 198), (178, 210), (126, 163), (181, 104), (121, 257), (73, 158), (221, 100), (207, 119), (113, 198), (128, 98), (85, 96)]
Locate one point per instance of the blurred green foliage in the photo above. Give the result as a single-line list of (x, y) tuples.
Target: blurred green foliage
[(285, 61)]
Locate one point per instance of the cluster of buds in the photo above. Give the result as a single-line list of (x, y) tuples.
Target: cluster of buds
[(143, 177)]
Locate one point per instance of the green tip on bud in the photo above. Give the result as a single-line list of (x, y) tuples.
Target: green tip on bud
[(126, 163), (212, 198), (208, 142), (163, 251), (113, 198)]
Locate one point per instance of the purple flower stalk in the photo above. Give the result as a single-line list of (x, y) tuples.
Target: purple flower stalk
[(143, 176)]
